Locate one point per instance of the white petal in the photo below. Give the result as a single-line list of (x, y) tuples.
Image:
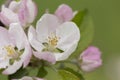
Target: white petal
[(4, 37), (18, 35), (47, 24), (13, 68), (26, 56), (66, 53), (69, 34), (4, 60), (4, 63), (32, 36), (69, 37)]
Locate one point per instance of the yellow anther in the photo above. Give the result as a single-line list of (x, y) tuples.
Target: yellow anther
[(10, 50), (53, 39)]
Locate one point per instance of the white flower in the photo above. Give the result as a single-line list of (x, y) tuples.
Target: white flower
[(50, 36), (15, 50)]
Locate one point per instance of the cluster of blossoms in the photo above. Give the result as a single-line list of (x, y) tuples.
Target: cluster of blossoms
[(54, 38)]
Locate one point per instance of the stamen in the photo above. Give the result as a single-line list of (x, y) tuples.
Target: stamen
[(53, 39), (11, 51), (51, 44)]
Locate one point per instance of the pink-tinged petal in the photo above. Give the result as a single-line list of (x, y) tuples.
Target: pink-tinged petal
[(4, 19), (27, 12), (32, 10), (47, 56), (47, 24), (91, 59), (90, 65), (64, 12), (8, 16), (14, 5), (92, 53), (4, 37), (18, 35), (13, 68), (23, 13), (35, 43)]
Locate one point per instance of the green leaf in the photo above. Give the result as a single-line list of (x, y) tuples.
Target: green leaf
[(19, 74), (42, 72), (78, 19), (67, 75), (86, 31), (1, 70)]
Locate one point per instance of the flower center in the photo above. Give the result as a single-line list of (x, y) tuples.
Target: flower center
[(11, 51), (51, 44), (53, 40)]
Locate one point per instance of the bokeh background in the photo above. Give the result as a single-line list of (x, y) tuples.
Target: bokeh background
[(106, 18)]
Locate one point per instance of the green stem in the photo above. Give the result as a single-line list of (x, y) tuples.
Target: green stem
[(42, 72), (75, 62)]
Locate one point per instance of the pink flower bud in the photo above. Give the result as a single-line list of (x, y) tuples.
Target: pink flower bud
[(27, 12), (7, 16), (23, 11), (90, 59), (64, 12)]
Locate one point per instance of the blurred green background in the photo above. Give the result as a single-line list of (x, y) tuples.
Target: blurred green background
[(106, 17)]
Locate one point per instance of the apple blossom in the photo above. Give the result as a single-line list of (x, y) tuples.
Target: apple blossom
[(29, 78), (15, 50), (23, 12), (52, 37), (90, 59), (64, 13)]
